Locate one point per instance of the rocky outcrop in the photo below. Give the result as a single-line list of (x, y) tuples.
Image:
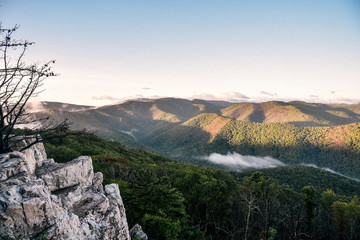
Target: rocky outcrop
[(41, 199), (136, 233)]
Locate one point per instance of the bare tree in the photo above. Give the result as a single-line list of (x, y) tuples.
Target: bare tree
[(19, 82), (248, 194)]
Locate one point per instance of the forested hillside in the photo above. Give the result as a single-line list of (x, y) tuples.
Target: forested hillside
[(298, 113), (294, 132), (172, 200), (336, 147)]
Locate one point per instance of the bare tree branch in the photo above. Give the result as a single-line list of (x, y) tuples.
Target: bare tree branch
[(19, 82)]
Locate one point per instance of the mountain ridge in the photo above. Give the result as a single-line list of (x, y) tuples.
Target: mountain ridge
[(293, 132), (295, 112)]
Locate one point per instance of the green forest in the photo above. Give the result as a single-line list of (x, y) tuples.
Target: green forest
[(335, 147), (173, 200), (294, 132)]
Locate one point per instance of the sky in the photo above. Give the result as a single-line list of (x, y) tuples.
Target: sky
[(244, 50)]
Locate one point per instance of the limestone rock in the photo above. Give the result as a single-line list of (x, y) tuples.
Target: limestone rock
[(136, 233), (58, 176), (42, 199)]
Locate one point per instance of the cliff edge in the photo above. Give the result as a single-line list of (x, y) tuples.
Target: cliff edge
[(42, 199)]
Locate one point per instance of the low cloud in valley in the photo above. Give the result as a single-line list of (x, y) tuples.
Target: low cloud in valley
[(36, 105), (240, 162), (330, 170)]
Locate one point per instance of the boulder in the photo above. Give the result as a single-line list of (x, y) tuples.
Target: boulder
[(136, 233)]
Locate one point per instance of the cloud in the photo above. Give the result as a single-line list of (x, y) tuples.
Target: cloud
[(114, 100), (141, 96), (240, 162), (269, 94), (233, 97), (347, 100), (130, 133), (310, 99), (107, 98), (228, 96), (330, 170), (36, 105)]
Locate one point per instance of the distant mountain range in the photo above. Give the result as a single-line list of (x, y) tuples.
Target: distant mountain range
[(293, 132)]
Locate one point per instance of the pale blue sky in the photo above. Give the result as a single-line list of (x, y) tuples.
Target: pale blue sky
[(255, 49)]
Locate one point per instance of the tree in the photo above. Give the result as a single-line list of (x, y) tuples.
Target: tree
[(311, 199), (324, 224), (157, 205), (291, 214), (19, 82), (248, 194), (340, 209), (266, 193)]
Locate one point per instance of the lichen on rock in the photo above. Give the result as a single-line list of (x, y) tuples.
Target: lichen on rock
[(42, 199)]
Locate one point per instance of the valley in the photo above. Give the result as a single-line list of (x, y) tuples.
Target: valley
[(216, 170), (173, 200), (293, 132)]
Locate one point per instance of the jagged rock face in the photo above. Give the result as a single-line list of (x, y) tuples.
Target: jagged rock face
[(41, 199)]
